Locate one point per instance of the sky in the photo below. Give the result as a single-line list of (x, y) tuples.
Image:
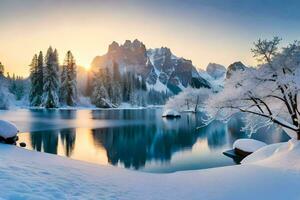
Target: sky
[(219, 31)]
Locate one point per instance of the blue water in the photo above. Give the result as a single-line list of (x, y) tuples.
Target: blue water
[(133, 139)]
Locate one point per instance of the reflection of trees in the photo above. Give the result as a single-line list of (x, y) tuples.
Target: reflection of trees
[(68, 137), (50, 141), (121, 114), (67, 114), (36, 141), (215, 133), (47, 141)]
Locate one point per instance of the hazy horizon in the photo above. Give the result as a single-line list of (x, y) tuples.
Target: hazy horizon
[(203, 31)]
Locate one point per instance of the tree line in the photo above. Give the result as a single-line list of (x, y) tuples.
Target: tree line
[(52, 85), (110, 88)]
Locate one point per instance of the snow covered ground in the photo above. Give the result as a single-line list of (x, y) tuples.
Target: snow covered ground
[(32, 175)]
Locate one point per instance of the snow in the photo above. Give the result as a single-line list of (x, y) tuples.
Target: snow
[(7, 129), (33, 175), (158, 86), (248, 145), (170, 113), (282, 155), (216, 84), (189, 99)]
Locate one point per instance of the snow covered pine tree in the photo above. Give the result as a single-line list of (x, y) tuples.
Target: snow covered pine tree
[(51, 80), (68, 87)]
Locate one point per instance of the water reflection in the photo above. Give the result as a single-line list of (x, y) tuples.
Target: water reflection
[(137, 139), (68, 137)]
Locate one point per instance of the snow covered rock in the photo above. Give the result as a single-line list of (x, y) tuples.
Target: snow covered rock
[(171, 113), (8, 132), (244, 147)]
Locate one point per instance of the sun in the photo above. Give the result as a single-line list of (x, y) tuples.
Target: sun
[(87, 67)]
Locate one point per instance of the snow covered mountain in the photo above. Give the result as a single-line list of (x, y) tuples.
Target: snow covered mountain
[(162, 70), (216, 70), (236, 66)]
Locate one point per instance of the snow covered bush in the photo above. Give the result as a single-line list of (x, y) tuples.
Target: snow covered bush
[(268, 93), (190, 99)]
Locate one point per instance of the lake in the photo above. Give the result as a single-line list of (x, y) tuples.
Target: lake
[(135, 139)]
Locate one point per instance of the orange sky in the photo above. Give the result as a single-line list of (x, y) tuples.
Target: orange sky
[(201, 33)]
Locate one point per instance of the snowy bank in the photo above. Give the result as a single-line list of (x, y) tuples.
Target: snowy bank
[(33, 175), (282, 155)]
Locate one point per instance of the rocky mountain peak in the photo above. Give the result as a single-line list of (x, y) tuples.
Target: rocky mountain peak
[(236, 66), (114, 46), (215, 70), (162, 70)]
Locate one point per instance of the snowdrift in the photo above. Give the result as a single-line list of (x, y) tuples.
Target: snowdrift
[(281, 155)]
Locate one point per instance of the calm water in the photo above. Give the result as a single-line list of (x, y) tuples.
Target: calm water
[(135, 139)]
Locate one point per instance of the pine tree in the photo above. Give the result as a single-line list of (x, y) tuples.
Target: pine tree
[(33, 100), (100, 95), (63, 85), (117, 94), (20, 88), (116, 87), (68, 88), (40, 78), (51, 81), (143, 84), (107, 81), (116, 72)]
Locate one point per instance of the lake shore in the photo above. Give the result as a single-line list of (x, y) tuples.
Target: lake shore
[(32, 175)]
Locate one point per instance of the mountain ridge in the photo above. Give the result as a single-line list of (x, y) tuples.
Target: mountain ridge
[(162, 70)]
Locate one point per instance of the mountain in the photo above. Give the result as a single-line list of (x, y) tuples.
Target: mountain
[(236, 66), (162, 70), (216, 70)]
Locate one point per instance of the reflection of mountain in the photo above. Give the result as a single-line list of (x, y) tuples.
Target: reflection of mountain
[(133, 146), (128, 145)]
